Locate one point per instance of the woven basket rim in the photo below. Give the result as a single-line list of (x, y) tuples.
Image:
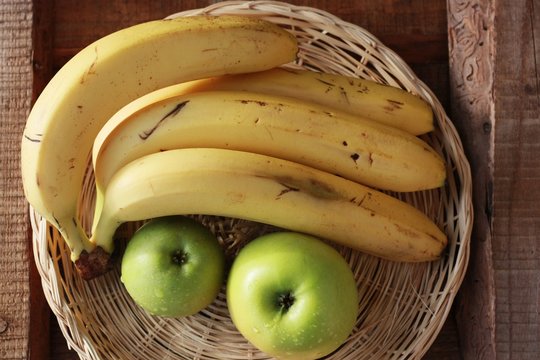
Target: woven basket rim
[(378, 63)]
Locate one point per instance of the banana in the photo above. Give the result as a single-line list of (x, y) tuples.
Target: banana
[(386, 104), (268, 190), (349, 146), (111, 72)]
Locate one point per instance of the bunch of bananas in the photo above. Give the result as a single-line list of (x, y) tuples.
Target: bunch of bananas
[(195, 116)]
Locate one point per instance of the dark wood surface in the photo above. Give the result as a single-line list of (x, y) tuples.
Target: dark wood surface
[(471, 44), (516, 174), (494, 53), (480, 58), (15, 87)]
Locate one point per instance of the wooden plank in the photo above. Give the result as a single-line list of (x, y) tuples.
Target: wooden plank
[(471, 47), (42, 33), (396, 25), (15, 87), (516, 219), (495, 44)]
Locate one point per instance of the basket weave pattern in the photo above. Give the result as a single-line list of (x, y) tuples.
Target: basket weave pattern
[(402, 306)]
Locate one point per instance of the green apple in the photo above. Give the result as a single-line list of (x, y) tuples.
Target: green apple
[(292, 296), (173, 266)]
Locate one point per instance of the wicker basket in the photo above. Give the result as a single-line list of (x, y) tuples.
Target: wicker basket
[(402, 306)]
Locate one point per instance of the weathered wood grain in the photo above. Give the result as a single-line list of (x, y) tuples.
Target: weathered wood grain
[(397, 25), (15, 91), (471, 46), (39, 345), (495, 86), (516, 218)]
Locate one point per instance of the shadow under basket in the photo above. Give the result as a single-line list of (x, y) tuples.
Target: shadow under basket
[(402, 306)]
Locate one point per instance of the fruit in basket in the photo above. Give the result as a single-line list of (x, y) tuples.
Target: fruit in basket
[(269, 190), (173, 266), (292, 296), (382, 103), (338, 142), (351, 146), (108, 74)]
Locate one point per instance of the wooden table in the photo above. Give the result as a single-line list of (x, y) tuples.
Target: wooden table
[(479, 57)]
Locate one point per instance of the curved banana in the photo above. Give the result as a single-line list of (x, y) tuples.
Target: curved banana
[(386, 104), (113, 71), (269, 190)]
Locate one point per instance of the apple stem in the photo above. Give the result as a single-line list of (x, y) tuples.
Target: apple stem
[(180, 257), (285, 301)]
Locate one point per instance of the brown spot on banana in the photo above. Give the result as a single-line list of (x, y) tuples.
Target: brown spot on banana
[(362, 89), (355, 157), (258, 102), (360, 203), (31, 139), (393, 105), (323, 191), (236, 197), (92, 68), (147, 133), (409, 233), (287, 189), (343, 93), (329, 84), (279, 107), (310, 186), (314, 188)]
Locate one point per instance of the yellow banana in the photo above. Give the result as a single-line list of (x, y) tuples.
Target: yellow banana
[(360, 150), (268, 190), (113, 71), (386, 104)]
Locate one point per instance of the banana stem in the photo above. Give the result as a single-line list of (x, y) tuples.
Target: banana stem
[(90, 260), (93, 264)]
